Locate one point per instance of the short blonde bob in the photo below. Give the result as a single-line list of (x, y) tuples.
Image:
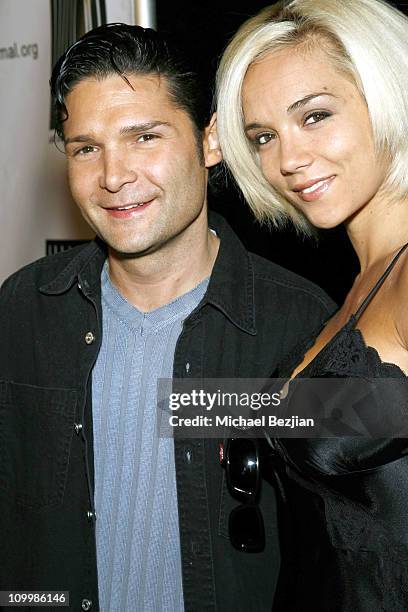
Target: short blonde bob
[(367, 40)]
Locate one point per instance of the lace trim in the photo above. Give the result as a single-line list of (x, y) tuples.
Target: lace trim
[(346, 354)]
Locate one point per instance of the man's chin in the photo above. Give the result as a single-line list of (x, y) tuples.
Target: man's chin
[(121, 252)]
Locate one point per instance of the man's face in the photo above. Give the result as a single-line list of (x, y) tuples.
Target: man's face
[(133, 164)]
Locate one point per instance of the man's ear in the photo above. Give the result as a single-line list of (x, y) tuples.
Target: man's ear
[(212, 151)]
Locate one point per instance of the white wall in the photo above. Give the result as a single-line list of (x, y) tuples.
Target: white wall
[(120, 11), (35, 203)]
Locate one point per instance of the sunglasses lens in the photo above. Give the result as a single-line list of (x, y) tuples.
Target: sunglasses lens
[(246, 529), (242, 466)]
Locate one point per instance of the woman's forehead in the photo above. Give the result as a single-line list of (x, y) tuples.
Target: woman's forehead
[(282, 77)]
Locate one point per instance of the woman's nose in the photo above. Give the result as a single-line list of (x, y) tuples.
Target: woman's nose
[(295, 154)]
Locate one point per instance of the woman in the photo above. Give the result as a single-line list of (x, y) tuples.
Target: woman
[(312, 118)]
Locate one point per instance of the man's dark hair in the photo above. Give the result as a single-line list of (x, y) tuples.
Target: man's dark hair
[(123, 49)]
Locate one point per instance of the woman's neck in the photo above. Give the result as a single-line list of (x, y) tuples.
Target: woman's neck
[(378, 230)]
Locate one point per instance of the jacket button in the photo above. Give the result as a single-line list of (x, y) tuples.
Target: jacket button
[(86, 604), (83, 285), (89, 337), (91, 515), (78, 427)]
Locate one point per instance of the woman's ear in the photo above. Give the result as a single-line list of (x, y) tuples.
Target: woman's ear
[(212, 151)]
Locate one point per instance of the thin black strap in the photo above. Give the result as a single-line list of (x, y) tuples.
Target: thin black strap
[(378, 284)]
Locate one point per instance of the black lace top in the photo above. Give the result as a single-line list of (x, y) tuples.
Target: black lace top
[(343, 502)]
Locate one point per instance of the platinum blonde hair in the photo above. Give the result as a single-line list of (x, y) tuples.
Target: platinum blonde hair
[(368, 42)]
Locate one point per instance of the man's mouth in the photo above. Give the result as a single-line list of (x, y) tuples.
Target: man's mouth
[(126, 211), (129, 206)]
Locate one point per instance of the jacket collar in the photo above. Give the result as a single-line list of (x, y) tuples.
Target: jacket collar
[(85, 267), (231, 287)]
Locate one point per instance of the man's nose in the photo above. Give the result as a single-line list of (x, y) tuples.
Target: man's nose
[(116, 172), (295, 153)]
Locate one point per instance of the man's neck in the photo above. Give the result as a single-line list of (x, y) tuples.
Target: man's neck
[(153, 280)]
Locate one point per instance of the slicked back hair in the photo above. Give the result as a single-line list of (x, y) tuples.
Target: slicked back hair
[(130, 50)]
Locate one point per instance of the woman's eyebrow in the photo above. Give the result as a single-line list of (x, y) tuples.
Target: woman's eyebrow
[(293, 107), (303, 101)]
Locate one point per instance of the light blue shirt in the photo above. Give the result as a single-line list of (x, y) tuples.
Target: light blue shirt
[(137, 531)]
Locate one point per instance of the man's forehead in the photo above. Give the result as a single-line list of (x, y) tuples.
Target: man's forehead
[(141, 97), (112, 105), (127, 84)]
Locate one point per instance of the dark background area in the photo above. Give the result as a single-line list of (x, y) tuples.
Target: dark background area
[(329, 261)]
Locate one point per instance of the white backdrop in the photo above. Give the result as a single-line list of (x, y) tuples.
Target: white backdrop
[(35, 203)]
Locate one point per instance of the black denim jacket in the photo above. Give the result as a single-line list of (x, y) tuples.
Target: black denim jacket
[(50, 334)]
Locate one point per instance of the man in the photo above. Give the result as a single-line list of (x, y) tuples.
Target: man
[(92, 501)]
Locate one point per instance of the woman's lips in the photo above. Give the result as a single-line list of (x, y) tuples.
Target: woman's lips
[(127, 211), (315, 191)]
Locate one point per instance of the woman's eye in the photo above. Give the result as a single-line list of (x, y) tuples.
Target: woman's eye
[(316, 117), (264, 138)]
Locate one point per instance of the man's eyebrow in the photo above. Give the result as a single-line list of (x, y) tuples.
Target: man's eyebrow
[(79, 138), (293, 107), (135, 128)]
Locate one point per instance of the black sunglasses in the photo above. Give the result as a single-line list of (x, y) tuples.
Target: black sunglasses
[(245, 525)]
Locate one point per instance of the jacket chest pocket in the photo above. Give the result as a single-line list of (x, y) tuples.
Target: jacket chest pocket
[(36, 427)]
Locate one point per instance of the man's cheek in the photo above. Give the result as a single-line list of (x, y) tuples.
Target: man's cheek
[(79, 183), (71, 176)]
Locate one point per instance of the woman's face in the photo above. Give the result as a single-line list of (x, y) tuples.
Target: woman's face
[(311, 129)]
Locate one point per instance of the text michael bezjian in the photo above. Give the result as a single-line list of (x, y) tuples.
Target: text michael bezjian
[(290, 422)]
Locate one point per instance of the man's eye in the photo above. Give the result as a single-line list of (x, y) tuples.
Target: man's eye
[(316, 117), (264, 138), (146, 137), (85, 150)]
